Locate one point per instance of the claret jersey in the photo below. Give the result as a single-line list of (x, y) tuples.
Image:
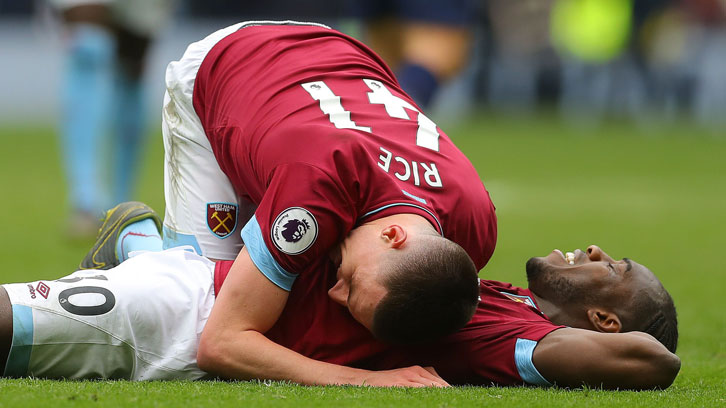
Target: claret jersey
[(312, 127), (495, 347)]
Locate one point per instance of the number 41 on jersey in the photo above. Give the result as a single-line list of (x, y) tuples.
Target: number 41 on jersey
[(426, 136)]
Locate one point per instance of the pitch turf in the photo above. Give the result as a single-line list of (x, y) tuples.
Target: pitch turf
[(656, 195)]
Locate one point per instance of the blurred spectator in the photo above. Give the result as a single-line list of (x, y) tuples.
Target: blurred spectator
[(598, 76), (523, 67), (107, 43), (425, 42), (646, 61), (661, 48), (683, 47), (599, 58), (319, 11)]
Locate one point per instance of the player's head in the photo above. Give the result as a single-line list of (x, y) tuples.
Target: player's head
[(409, 285), (599, 293)]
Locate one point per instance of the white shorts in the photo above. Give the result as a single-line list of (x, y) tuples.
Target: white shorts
[(195, 188), (139, 321), (202, 209)]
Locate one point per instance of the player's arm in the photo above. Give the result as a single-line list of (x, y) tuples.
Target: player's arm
[(634, 360), (233, 344)]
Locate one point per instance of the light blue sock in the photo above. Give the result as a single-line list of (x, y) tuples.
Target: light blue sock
[(86, 98), (128, 135), (139, 236)]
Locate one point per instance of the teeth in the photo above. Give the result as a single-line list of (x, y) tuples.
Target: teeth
[(570, 258)]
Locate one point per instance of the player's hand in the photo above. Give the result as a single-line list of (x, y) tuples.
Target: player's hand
[(414, 376)]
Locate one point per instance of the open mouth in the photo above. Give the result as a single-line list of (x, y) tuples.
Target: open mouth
[(569, 257)]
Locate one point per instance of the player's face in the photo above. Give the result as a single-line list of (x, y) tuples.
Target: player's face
[(357, 287), (590, 278), (358, 291)]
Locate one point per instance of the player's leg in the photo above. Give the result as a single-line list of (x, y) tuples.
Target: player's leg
[(436, 42), (144, 235), (136, 23), (383, 35), (138, 321), (432, 54), (87, 84), (130, 226), (202, 208), (382, 30), (129, 112)]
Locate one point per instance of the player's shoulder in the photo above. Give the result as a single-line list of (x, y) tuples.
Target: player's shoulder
[(504, 300), (488, 285)]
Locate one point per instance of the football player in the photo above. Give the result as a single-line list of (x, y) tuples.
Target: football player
[(586, 319), (426, 42), (298, 140), (103, 99)]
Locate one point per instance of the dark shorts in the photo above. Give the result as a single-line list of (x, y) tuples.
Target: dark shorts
[(451, 12)]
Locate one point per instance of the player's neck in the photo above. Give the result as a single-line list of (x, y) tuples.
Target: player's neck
[(552, 311), (571, 316)]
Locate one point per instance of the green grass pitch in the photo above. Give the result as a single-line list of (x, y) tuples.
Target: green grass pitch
[(656, 195)]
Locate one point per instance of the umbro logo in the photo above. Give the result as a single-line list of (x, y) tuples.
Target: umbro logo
[(41, 288)]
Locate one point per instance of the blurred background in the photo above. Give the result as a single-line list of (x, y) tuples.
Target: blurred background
[(586, 60), (590, 121)]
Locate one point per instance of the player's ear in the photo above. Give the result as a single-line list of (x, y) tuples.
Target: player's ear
[(604, 321), (394, 235)]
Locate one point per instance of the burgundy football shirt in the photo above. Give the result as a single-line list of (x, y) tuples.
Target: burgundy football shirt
[(495, 347), (312, 127)]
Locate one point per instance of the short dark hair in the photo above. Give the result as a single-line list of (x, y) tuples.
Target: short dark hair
[(433, 291), (653, 312)]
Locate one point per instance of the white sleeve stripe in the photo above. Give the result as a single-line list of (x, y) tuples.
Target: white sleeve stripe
[(441, 229), (523, 358), (262, 258)]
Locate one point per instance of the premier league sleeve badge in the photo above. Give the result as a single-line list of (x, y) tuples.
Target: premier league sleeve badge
[(294, 230)]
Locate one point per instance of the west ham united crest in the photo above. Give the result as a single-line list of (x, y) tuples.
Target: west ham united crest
[(222, 218), (294, 230)]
